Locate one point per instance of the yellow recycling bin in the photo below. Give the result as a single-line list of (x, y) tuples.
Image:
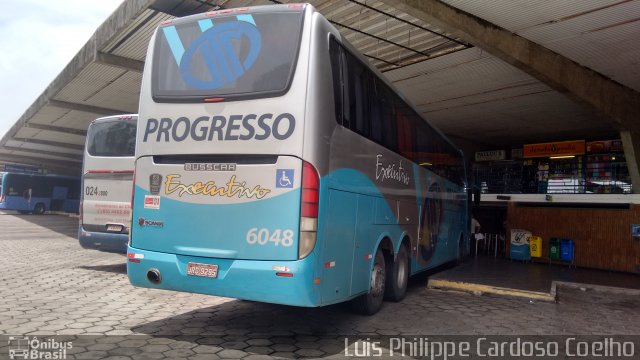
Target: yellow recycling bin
[(535, 246)]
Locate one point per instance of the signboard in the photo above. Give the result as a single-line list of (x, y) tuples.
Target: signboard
[(561, 148), (490, 155), (23, 169), (516, 154), (604, 146)]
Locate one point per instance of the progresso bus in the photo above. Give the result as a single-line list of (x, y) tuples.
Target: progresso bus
[(35, 194), (274, 164), (107, 178)]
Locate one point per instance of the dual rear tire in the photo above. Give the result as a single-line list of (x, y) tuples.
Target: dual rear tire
[(388, 281)]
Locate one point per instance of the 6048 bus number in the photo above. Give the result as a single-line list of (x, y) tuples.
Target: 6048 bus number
[(93, 191), (264, 236)]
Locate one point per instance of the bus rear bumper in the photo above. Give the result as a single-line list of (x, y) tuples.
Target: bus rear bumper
[(256, 280), (114, 243)]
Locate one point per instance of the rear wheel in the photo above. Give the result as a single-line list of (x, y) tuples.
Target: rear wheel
[(371, 302), (398, 276), (39, 209)]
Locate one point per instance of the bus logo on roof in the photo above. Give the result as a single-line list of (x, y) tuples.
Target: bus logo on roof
[(217, 50)]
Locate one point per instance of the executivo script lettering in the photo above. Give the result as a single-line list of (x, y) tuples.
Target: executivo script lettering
[(391, 171)]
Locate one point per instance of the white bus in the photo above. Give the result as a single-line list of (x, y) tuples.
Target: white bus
[(107, 178), (274, 164)]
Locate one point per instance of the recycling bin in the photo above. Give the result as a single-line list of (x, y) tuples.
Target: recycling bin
[(566, 250), (535, 246), (554, 249)]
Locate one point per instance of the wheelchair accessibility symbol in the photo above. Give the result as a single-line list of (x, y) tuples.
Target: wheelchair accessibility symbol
[(284, 178)]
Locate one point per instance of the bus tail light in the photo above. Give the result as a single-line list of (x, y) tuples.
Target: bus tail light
[(310, 190), (308, 209), (81, 208), (133, 189)]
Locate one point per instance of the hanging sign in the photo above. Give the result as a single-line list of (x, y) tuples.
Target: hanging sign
[(22, 169), (490, 155), (561, 148)]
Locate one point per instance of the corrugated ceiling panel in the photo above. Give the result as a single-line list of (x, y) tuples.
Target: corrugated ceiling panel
[(579, 26), (127, 30), (135, 47), (487, 95), (537, 117), (44, 148), (468, 76), (57, 136), (47, 115), (603, 35), (437, 64), (50, 115), (26, 133), (606, 41), (42, 156), (90, 80), (76, 119), (123, 93), (516, 15)]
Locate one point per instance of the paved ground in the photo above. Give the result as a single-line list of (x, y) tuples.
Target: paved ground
[(49, 285), (532, 276)]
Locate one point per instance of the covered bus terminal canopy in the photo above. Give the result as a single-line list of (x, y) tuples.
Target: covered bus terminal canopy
[(489, 74)]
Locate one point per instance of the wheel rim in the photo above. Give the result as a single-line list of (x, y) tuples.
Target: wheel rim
[(377, 280), (402, 274)]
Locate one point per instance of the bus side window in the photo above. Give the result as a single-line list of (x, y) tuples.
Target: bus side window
[(388, 117), (336, 74)]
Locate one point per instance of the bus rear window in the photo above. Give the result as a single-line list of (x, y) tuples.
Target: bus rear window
[(112, 139), (235, 56)]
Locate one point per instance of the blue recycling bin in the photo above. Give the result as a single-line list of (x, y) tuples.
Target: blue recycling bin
[(519, 248), (566, 250)]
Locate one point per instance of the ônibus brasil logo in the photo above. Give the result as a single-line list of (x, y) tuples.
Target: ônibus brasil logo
[(24, 347)]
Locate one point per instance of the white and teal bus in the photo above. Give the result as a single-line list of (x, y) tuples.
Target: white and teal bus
[(107, 178), (274, 164)]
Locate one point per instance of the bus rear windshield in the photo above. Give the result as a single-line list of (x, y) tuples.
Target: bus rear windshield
[(235, 56), (112, 139)]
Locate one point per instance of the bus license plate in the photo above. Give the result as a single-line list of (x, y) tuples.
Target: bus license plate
[(114, 228), (204, 270)]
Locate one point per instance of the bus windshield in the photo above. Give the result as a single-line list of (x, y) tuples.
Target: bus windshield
[(112, 139), (230, 56)]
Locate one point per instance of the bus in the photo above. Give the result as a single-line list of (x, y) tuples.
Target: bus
[(36, 194), (274, 164), (107, 178)]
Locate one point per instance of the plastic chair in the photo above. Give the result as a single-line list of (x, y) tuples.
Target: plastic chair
[(480, 238)]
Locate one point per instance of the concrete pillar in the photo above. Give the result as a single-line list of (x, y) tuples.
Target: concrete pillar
[(631, 145)]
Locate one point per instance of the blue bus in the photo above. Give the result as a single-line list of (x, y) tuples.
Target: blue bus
[(274, 164), (36, 194)]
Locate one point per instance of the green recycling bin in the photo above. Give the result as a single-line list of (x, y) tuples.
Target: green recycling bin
[(554, 249)]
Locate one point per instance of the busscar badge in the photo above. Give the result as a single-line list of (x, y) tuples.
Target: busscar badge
[(155, 181)]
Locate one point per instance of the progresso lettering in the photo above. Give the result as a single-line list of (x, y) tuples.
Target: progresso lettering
[(220, 128)]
